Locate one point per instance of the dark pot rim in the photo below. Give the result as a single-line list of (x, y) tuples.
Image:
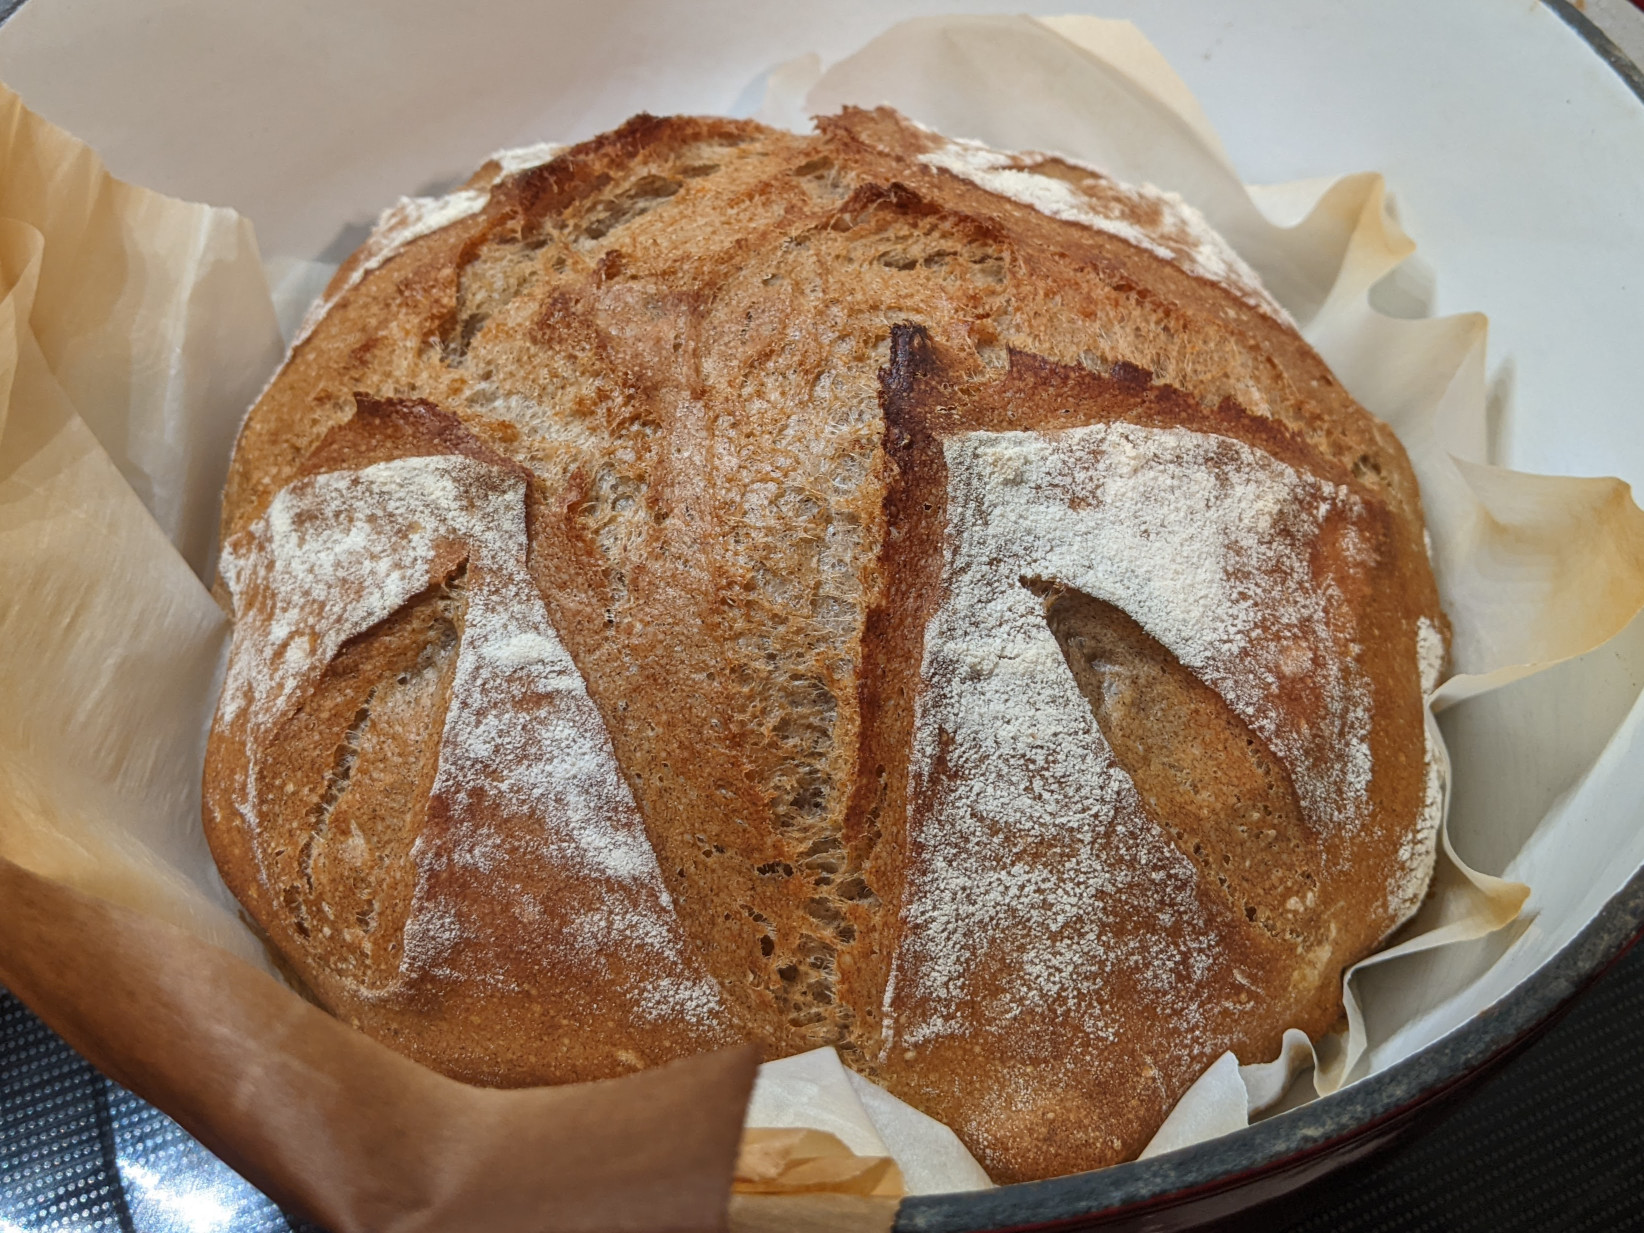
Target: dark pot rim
[(1287, 1142), (1601, 43)]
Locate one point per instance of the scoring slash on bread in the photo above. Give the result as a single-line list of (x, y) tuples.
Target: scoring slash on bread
[(854, 589)]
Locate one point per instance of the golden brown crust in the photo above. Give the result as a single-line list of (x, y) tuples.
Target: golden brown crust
[(728, 358)]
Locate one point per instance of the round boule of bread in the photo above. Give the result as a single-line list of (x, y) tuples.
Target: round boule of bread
[(856, 589)]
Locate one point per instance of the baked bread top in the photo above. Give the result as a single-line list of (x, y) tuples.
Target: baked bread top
[(857, 589)]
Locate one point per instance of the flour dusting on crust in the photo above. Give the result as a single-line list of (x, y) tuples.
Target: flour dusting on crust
[(527, 789), (1150, 218), (523, 158), (1419, 849), (1033, 837), (411, 218), (1429, 654)]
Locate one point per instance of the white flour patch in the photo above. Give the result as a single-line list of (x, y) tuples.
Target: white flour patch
[(1419, 849), (523, 158), (527, 791), (1150, 218), (1033, 838), (1429, 654), (410, 219)]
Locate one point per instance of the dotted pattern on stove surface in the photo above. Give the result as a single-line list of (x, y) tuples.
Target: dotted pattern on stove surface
[(55, 1134), (78, 1152)]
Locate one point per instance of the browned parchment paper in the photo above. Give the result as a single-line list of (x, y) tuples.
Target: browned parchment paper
[(796, 1161), (331, 1124), (112, 921)]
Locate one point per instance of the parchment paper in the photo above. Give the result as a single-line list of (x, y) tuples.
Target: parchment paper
[(120, 381), (815, 1090)]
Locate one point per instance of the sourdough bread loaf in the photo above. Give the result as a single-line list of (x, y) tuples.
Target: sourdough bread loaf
[(855, 589)]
